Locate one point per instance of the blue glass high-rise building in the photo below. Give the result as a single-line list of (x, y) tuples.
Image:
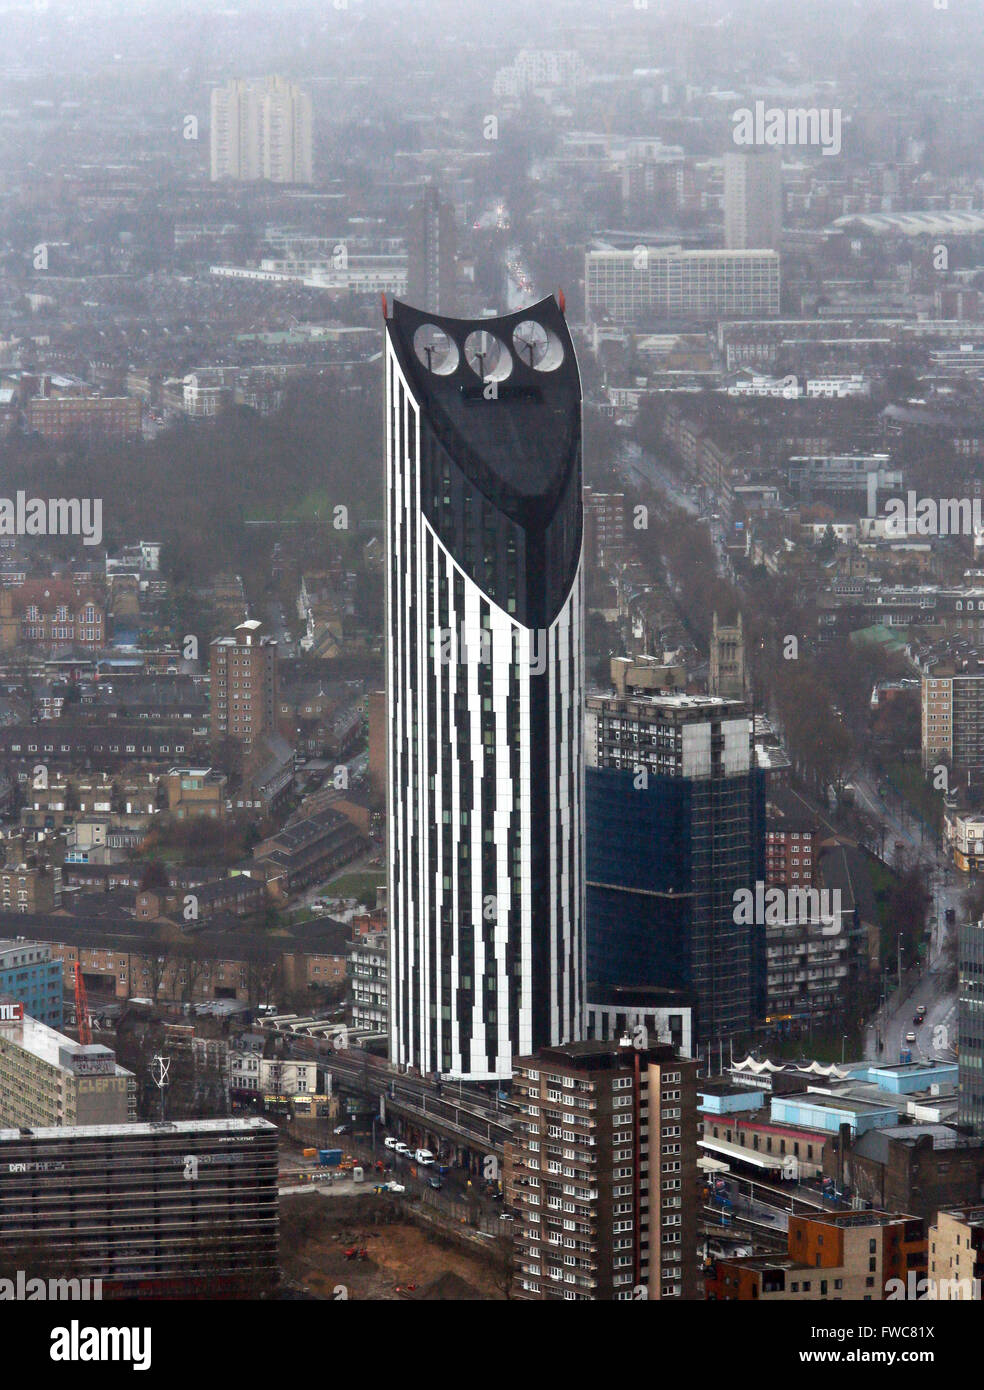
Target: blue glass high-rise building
[(675, 816)]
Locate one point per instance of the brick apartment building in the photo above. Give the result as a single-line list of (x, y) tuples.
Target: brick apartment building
[(604, 528), (791, 841), (306, 851), (603, 1176), (244, 685), (237, 894), (66, 417), (30, 887)]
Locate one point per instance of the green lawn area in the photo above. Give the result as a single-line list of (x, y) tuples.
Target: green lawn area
[(314, 506), (355, 885)]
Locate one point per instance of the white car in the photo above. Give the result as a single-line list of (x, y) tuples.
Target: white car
[(389, 1142), (424, 1157), (394, 1187), (401, 1148)]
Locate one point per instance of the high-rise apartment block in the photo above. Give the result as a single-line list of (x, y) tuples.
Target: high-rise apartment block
[(243, 685), (535, 68), (648, 283), (675, 828), (604, 528), (604, 1175), (431, 250), (953, 718), (484, 688), (752, 200), (261, 130)]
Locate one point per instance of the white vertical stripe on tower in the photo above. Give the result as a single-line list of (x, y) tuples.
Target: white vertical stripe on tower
[(551, 678), (472, 654), (445, 573), (525, 924), (392, 803), (502, 659)]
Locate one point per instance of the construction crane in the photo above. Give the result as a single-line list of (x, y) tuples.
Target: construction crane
[(82, 1008)]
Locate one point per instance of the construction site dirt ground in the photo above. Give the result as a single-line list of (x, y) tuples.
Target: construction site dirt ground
[(314, 1235)]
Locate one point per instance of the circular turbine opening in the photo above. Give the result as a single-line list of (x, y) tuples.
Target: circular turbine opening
[(435, 349), (487, 356), (537, 347)]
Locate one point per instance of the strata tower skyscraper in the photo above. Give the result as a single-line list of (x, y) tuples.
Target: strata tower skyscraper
[(484, 689)]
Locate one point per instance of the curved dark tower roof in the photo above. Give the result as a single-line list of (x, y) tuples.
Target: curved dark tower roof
[(509, 427)]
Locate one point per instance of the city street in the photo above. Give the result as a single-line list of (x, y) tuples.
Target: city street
[(643, 467)]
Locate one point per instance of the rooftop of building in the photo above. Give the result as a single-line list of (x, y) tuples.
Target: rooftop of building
[(523, 446), (16, 945), (786, 810), (673, 707), (238, 1125), (876, 1144), (51, 1047), (718, 1086), (598, 1056), (823, 1101), (971, 1216), (227, 935)]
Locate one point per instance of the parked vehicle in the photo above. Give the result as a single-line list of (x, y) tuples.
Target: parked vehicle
[(424, 1157), (401, 1148), (390, 1142), (435, 1182)]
